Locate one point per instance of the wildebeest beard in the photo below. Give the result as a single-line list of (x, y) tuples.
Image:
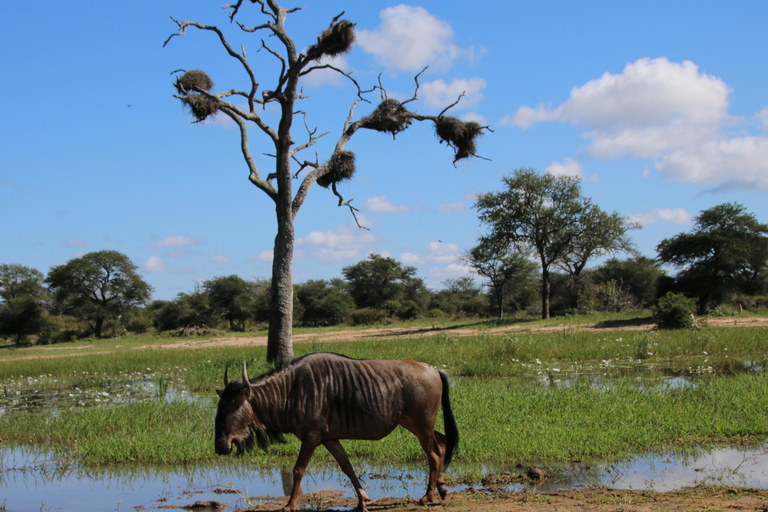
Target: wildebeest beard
[(264, 438)]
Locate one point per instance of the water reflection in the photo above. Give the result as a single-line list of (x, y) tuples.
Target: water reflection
[(34, 481)]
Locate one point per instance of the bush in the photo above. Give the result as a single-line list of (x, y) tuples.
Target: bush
[(674, 311), (62, 329), (367, 316)]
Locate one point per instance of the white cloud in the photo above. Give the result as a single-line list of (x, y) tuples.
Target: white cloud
[(381, 204), (73, 242), (653, 106), (339, 244), (176, 241), (452, 208), (740, 162), (670, 215), (326, 76), (410, 38), (668, 112), (264, 257), (762, 116), (570, 167), (154, 264), (435, 253), (439, 94), (219, 258)]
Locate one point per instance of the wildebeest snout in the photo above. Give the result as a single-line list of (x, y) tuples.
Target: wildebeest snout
[(223, 446)]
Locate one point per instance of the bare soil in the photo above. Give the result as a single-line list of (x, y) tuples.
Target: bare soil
[(586, 500), (395, 332)]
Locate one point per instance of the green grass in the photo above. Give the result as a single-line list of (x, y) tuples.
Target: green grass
[(503, 415)]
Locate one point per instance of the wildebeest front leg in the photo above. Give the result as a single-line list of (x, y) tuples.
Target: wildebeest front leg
[(308, 445), (338, 452)]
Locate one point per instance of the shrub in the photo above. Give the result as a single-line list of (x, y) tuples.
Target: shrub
[(674, 311), (366, 316)]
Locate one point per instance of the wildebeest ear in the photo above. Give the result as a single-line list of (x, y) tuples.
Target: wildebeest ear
[(219, 392), (246, 392)]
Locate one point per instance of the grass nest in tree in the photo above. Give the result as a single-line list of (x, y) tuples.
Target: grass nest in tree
[(202, 106), (341, 167), (338, 39), (390, 116), (194, 79), (460, 135)]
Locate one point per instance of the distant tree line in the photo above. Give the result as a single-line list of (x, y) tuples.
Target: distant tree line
[(532, 261)]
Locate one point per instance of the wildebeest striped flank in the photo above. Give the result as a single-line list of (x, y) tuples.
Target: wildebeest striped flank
[(323, 398)]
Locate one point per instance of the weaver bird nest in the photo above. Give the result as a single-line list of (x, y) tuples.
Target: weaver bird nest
[(338, 39), (460, 135), (341, 167), (390, 116), (201, 105)]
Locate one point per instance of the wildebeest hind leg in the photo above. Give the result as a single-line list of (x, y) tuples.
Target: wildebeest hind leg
[(308, 445), (338, 452), (441, 441)]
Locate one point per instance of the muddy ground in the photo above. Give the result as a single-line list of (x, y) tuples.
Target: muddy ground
[(586, 500)]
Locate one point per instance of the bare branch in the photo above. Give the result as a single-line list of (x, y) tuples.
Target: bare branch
[(240, 57), (446, 109), (254, 176), (352, 209), (415, 92)]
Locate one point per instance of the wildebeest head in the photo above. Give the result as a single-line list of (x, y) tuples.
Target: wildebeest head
[(234, 416), (236, 421)]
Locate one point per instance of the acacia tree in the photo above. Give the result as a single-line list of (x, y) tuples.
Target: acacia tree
[(726, 250), (391, 116), (98, 285), (599, 233), (539, 213), (508, 271)]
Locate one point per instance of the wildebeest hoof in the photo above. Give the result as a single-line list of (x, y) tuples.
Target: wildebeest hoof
[(443, 490), (426, 500)]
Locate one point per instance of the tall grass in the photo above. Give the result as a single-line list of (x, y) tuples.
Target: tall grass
[(503, 417)]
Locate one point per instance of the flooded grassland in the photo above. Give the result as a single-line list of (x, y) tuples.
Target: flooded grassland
[(641, 411)]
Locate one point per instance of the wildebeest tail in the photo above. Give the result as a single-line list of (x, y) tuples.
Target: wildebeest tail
[(451, 430)]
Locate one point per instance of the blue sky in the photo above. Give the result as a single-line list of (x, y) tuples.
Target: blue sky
[(661, 108)]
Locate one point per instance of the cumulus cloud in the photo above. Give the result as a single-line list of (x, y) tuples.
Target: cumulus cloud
[(570, 167), (740, 162), (670, 215), (382, 204), (439, 93), (73, 242), (339, 244), (219, 258), (653, 106), (410, 38), (175, 241), (154, 264), (452, 208), (325, 76), (762, 116), (669, 112), (435, 253)]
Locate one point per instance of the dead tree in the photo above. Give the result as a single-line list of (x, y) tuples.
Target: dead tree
[(195, 90)]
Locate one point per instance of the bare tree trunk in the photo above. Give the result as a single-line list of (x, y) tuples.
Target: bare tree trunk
[(545, 289), (279, 340)]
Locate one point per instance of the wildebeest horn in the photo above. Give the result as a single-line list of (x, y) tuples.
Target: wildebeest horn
[(245, 376), (226, 375)]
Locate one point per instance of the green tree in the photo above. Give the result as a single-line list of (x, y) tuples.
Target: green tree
[(17, 281), (726, 251), (324, 302), (535, 212), (378, 279), (598, 233), (638, 275), (508, 273), (98, 286), (391, 116), (231, 298)]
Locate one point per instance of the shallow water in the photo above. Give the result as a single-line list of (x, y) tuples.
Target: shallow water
[(31, 481)]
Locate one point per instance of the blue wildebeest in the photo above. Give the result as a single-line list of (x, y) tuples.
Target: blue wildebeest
[(323, 398)]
